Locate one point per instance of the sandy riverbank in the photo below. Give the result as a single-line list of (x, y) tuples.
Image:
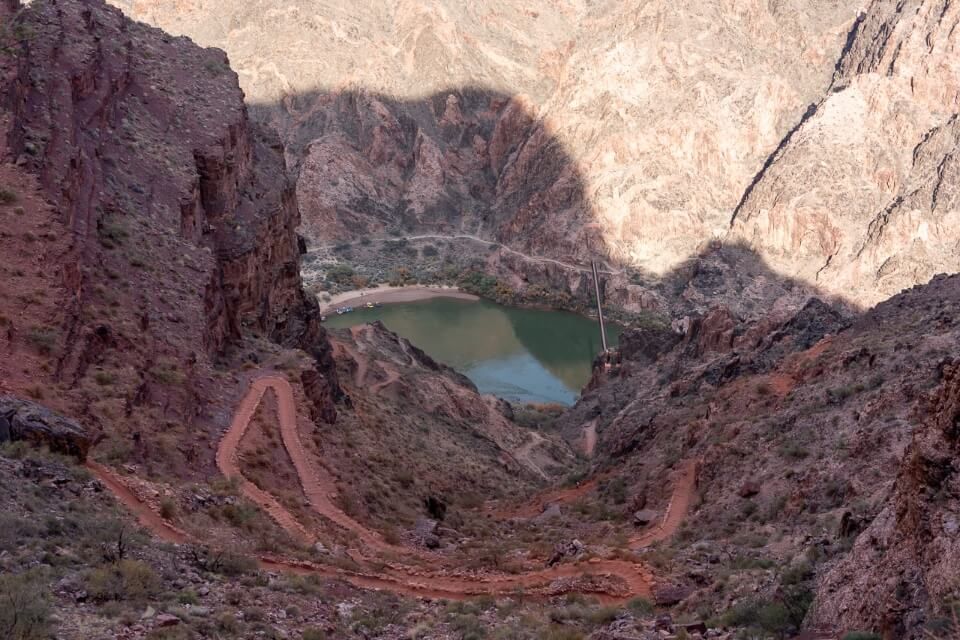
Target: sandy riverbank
[(385, 294)]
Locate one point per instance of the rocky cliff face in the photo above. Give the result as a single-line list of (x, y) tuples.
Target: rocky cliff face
[(177, 217), (865, 194), (901, 575), (822, 134), (799, 427)]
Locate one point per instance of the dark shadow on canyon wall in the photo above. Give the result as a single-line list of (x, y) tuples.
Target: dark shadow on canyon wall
[(478, 162), (466, 160)]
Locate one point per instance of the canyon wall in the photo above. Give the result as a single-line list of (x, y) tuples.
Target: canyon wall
[(176, 212), (865, 194), (627, 131), (822, 134)]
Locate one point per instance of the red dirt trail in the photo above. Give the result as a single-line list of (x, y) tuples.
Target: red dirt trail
[(627, 579), (684, 487), (589, 438)]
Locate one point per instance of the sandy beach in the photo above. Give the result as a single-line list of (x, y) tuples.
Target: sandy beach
[(385, 294)]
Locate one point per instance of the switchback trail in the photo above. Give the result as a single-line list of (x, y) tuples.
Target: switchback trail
[(619, 580), (684, 486)]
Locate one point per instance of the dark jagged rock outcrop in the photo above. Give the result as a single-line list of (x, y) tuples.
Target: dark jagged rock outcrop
[(902, 571), (31, 422), (794, 420), (180, 216)]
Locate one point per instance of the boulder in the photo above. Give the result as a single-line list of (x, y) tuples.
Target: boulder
[(670, 594), (644, 517), (748, 489), (569, 549), (551, 512), (425, 533), (167, 620), (31, 422)]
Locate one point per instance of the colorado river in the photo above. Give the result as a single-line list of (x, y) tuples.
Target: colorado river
[(522, 355)]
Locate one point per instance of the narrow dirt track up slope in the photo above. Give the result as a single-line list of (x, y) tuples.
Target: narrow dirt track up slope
[(421, 577)]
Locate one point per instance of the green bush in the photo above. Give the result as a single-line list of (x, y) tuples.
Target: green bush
[(8, 197), (104, 378), (168, 509), (313, 633), (469, 627), (861, 635), (24, 609), (340, 273), (125, 580), (779, 617), (43, 339), (640, 606)]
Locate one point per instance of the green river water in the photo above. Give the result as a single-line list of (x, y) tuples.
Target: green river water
[(522, 355)]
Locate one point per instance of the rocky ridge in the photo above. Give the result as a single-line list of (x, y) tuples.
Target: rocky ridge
[(178, 218), (801, 426)]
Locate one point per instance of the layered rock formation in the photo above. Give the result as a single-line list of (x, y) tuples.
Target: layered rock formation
[(801, 429), (176, 215), (901, 574), (21, 420), (865, 193), (821, 133)]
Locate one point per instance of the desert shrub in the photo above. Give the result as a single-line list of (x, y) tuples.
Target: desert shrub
[(340, 273), (228, 623), (313, 633), (23, 615), (125, 580), (430, 251), (8, 197), (794, 450), (167, 373), (640, 606), (236, 564), (401, 276), (749, 563), (780, 617), (239, 515), (861, 635), (468, 626), (395, 246), (168, 509), (797, 574), (360, 282), (365, 241), (104, 378), (43, 339), (111, 232), (616, 490), (254, 614), (216, 68)]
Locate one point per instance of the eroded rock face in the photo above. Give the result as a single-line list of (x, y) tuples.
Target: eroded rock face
[(179, 213), (865, 195), (639, 131), (902, 569), (812, 415), (31, 422)]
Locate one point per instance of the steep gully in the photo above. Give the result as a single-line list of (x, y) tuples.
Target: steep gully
[(621, 579)]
